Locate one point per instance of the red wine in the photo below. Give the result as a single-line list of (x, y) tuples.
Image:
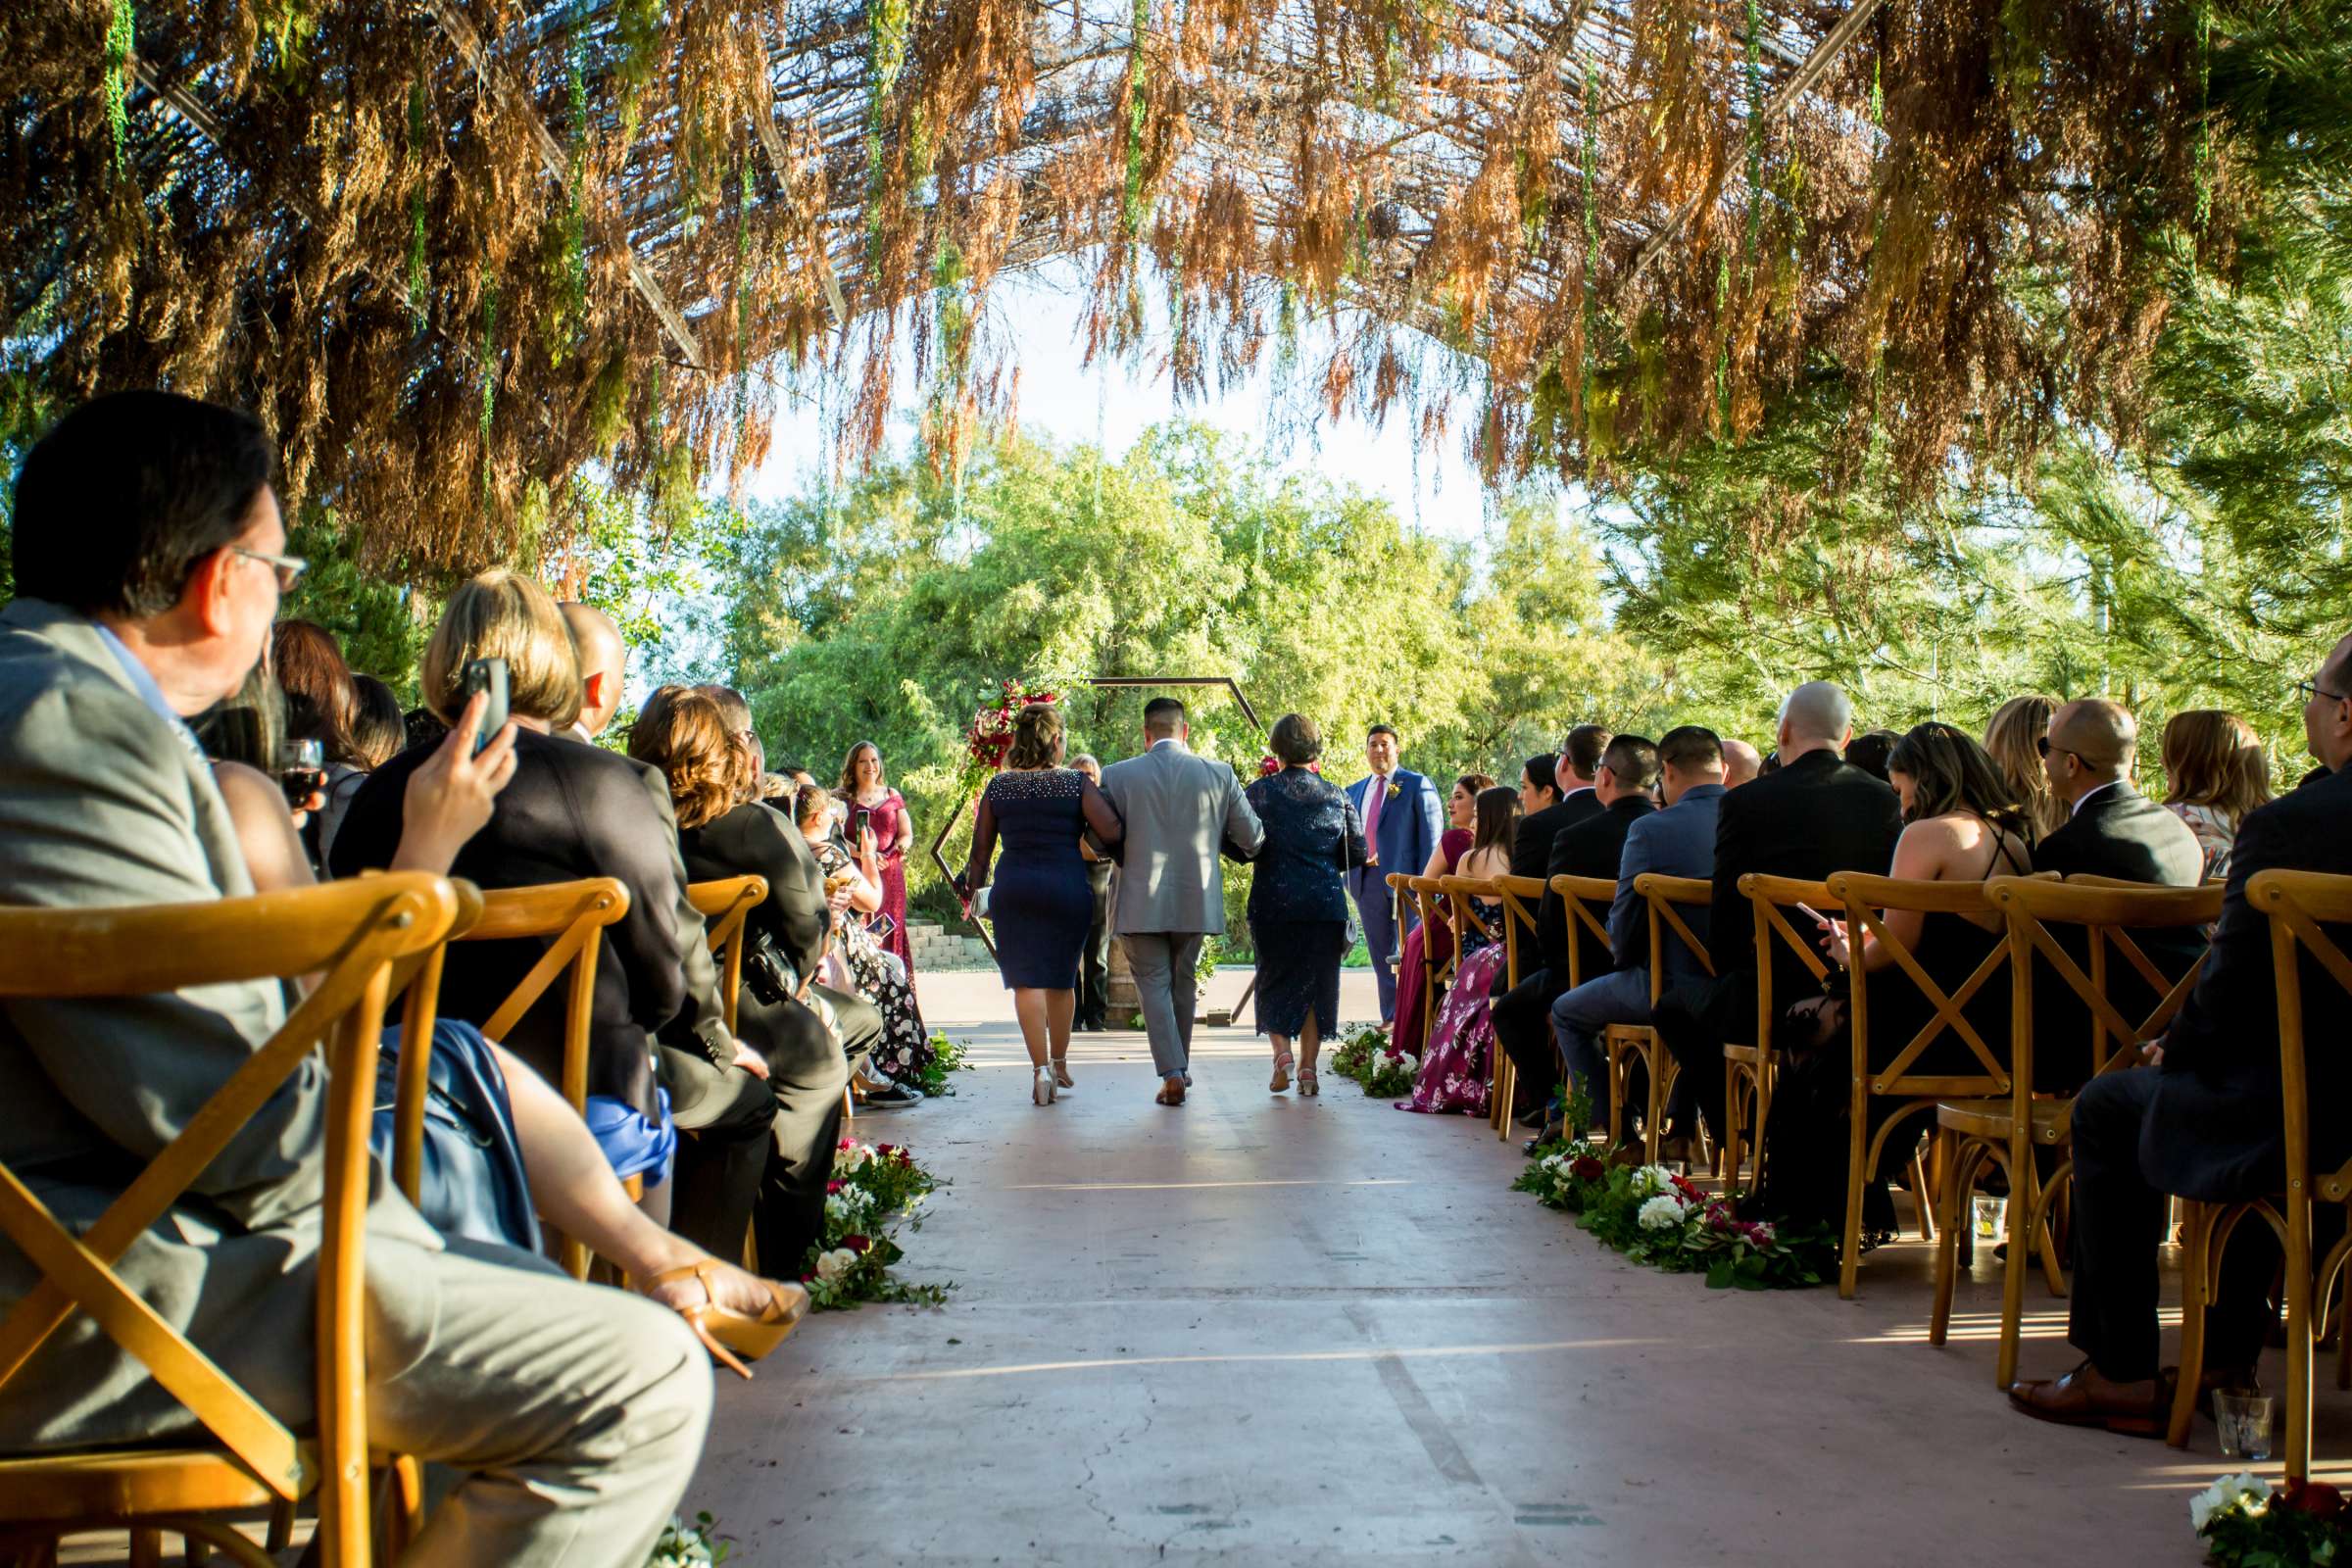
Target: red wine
[(299, 784)]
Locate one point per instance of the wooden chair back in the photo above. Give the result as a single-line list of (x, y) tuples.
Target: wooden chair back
[(725, 906), (1772, 898), (2107, 914), (352, 935), (1661, 895), (420, 1012), (1865, 900), (1520, 896), (1578, 894), (1429, 899)]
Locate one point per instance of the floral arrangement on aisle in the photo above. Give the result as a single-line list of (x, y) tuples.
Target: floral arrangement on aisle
[(948, 1058), (1368, 1055), (1358, 1044), (989, 736), (2246, 1525), (874, 1189), (1656, 1217), (690, 1546)]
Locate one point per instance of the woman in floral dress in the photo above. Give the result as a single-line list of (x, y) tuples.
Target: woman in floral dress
[(905, 1051), (1461, 1044), (863, 788)]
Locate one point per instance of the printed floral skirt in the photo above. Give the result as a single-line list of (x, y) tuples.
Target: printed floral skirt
[(1453, 1071), (906, 1049)]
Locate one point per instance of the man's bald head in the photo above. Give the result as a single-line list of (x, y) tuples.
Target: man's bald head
[(2091, 744), (1816, 715), (604, 665), (1740, 764)]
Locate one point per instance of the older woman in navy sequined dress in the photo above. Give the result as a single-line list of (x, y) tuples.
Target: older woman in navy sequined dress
[(1042, 901), (1297, 899)]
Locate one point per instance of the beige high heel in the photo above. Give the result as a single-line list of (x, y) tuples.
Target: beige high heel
[(726, 1332), (1282, 1073)]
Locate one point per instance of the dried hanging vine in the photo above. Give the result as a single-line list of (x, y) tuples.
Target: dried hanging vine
[(456, 252)]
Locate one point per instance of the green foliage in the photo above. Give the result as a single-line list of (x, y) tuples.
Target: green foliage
[(874, 1189), (1654, 1216), (373, 617), (690, 1545), (947, 1057)]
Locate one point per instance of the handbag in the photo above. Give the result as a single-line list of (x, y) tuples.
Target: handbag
[(980, 905), (471, 1183)]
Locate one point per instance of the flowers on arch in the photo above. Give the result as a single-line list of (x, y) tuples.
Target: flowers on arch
[(989, 736)]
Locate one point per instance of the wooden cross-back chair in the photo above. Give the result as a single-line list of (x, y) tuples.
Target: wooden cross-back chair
[(572, 916), (725, 906), (1428, 896), (352, 936), (1749, 1071), (1516, 894), (1899, 1085), (2009, 1129), (1623, 1042), (1577, 896), (2298, 905), (1454, 893)]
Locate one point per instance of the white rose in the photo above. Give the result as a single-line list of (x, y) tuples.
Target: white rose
[(834, 1264), (1662, 1212), (2224, 1496), (1409, 1062), (837, 1206)]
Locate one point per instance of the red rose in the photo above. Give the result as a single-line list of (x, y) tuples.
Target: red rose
[(1585, 1168), (855, 1244), (835, 1185), (2315, 1498), (886, 1149)]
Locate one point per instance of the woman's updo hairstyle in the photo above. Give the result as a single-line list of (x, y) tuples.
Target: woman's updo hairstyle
[(1295, 740), (1036, 736)]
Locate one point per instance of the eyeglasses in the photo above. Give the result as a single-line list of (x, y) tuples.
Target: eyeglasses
[(2311, 688), (289, 568), (2041, 744)]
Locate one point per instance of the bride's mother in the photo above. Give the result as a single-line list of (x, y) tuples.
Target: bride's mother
[(1298, 901)]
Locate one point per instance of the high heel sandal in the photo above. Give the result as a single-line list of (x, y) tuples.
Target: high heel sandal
[(1282, 1073), (1061, 1074), (728, 1334), (1041, 1089), (1309, 1085)]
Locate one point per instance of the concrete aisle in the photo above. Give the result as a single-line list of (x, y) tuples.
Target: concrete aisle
[(1261, 1329)]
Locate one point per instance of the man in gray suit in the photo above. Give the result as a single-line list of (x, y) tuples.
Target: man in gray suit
[(148, 546), (1171, 884), (1678, 841)]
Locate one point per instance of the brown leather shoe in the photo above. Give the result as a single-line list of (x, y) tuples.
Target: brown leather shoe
[(2072, 1401), (1171, 1090)]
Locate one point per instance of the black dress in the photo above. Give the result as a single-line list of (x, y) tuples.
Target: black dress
[(1298, 901), (1040, 899)]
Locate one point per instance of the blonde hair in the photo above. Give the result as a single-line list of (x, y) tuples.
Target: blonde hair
[(2212, 758), (2010, 737), (503, 614), (686, 735), (1034, 731)]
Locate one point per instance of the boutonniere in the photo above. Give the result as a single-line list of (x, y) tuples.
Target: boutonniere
[(1395, 789)]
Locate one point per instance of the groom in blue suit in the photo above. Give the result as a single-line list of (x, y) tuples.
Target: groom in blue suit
[(1402, 819)]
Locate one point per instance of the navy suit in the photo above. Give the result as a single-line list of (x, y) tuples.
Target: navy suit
[(1410, 821)]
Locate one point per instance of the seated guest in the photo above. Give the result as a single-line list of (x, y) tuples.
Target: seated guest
[(2205, 1119), (1576, 770), (1741, 764), (1678, 841), (604, 657), (782, 1011), (1814, 814), (1453, 1071), (1428, 950), (575, 811), (2111, 830), (2215, 773), (378, 733), (1542, 813), (1298, 898), (874, 971), (2013, 739), (147, 555), (1961, 824), (1869, 752)]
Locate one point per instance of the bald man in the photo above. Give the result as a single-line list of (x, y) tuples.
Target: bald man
[(1741, 765), (604, 668), (2112, 830)]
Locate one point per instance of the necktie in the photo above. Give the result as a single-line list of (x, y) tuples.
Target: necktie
[(1376, 792)]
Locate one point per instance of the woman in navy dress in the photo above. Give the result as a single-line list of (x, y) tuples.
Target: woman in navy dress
[(1041, 902), (1298, 903)]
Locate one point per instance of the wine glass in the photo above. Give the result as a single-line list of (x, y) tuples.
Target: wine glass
[(301, 770)]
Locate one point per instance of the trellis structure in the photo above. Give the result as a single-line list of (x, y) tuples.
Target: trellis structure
[(455, 251)]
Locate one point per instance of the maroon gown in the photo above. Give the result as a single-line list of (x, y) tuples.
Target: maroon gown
[(889, 821)]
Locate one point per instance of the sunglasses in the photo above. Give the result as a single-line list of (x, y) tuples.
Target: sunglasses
[(2042, 745)]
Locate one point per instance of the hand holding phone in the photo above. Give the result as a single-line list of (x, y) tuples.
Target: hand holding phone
[(489, 677)]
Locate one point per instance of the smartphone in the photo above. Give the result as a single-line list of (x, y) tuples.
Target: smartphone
[(859, 821), (488, 675)]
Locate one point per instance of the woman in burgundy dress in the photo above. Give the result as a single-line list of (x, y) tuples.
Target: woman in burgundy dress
[(862, 787), (1462, 815)]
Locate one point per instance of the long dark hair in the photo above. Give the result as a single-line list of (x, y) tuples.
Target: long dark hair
[(1950, 772), (1497, 820)]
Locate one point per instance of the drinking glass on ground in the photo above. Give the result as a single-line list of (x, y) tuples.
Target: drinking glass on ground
[(301, 770), (1992, 1216), (2244, 1418)]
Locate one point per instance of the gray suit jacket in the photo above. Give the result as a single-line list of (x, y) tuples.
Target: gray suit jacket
[(1678, 841), (101, 803), (1177, 808)]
